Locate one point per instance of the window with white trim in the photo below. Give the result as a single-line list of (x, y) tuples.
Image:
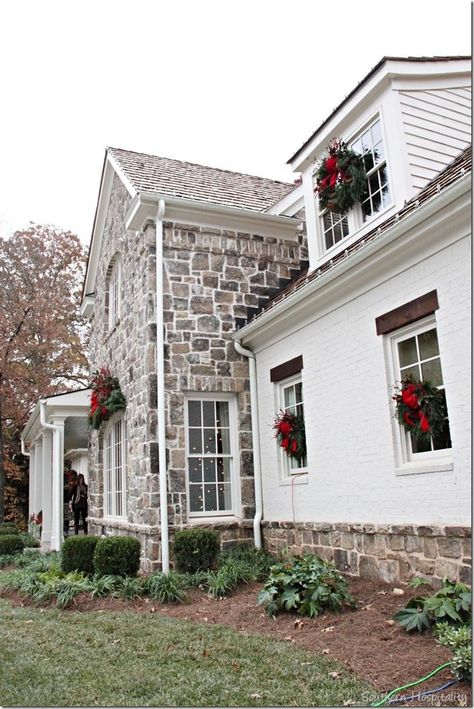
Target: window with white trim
[(291, 400), (115, 469), (335, 227), (416, 352), (114, 285), (211, 456)]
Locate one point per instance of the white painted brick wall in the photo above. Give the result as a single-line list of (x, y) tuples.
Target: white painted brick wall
[(348, 407)]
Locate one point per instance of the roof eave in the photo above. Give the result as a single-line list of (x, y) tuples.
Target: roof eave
[(144, 208)]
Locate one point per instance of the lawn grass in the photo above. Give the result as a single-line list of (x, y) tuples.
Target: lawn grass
[(66, 658)]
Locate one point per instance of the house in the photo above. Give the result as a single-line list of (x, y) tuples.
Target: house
[(263, 301)]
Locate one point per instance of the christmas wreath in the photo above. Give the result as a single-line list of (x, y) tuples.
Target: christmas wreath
[(290, 434), (106, 397), (341, 179), (420, 408)]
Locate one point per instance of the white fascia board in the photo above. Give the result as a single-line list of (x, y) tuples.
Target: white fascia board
[(110, 169), (144, 206), (396, 74), (118, 169), (31, 429), (379, 255), (289, 204)]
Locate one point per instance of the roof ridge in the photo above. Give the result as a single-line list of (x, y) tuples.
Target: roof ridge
[(207, 167)]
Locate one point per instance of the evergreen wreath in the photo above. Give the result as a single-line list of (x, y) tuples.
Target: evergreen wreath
[(420, 408), (290, 434), (106, 397), (341, 178)]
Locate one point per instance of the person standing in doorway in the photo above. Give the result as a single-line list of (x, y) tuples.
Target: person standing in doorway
[(78, 503)]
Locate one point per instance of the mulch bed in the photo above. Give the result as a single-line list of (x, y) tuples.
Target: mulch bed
[(367, 641)]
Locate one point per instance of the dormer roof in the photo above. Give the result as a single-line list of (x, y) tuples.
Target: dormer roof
[(386, 67)]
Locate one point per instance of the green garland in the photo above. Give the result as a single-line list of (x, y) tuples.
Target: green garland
[(106, 397), (341, 178), (290, 434), (420, 408)]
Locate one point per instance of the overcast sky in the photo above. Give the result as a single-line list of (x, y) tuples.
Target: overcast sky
[(237, 84)]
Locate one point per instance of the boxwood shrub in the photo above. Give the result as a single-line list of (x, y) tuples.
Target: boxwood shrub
[(196, 549), (119, 556), (77, 554), (10, 544), (8, 528)]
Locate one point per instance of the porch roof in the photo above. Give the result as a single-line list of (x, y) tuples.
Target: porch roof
[(68, 405)]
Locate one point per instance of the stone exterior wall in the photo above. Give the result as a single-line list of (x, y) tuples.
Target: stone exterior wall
[(211, 277), (380, 552)]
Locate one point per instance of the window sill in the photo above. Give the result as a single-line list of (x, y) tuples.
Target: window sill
[(425, 466), (111, 331), (295, 479), (217, 519)]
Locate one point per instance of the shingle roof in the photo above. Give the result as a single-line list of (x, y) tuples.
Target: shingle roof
[(150, 173), (364, 81), (460, 166)]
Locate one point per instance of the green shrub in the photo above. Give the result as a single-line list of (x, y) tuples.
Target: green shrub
[(255, 563), (451, 603), (459, 642), (78, 554), (8, 528), (167, 588), (196, 549), (10, 544), (119, 556), (29, 541), (305, 584)]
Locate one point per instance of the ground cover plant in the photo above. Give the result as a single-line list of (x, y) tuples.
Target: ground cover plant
[(452, 603), (305, 584), (130, 659), (459, 640)]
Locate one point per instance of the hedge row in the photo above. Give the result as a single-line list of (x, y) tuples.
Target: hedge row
[(110, 556)]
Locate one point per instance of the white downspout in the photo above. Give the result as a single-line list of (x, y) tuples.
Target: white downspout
[(257, 470), (57, 491), (23, 449), (160, 385)]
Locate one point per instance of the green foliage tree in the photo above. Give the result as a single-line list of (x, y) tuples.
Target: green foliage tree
[(42, 339)]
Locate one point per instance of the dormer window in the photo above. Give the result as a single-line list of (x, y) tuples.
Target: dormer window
[(370, 146), (113, 289), (335, 226)]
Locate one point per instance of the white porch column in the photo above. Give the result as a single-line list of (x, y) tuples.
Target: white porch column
[(57, 484), (31, 481), (47, 488), (38, 446)]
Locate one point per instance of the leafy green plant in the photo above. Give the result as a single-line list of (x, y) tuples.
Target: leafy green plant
[(8, 528), (10, 544), (7, 560), (196, 549), (104, 585), (257, 562), (167, 588), (307, 585), (29, 540), (451, 603), (78, 554), (418, 581), (128, 587), (459, 640), (118, 556)]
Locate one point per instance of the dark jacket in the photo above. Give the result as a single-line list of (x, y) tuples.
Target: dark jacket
[(82, 502)]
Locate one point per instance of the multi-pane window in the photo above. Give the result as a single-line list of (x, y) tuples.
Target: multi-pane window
[(335, 227), (115, 470), (210, 457), (113, 294), (292, 402), (417, 354), (370, 146)]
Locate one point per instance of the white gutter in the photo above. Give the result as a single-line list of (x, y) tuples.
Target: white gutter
[(23, 449), (57, 491), (160, 385), (257, 470)]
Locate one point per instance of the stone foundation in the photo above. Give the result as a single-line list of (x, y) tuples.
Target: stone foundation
[(231, 533), (380, 552)]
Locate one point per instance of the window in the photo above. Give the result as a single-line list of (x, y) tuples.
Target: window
[(416, 352), (291, 400), (113, 292), (335, 227), (370, 146), (115, 469), (210, 456)]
